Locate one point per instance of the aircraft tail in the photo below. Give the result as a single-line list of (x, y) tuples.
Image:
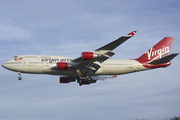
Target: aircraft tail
[(160, 50), (157, 56)]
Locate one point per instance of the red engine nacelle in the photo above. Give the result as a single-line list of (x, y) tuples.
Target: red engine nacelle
[(62, 65), (66, 80), (84, 82), (88, 55)]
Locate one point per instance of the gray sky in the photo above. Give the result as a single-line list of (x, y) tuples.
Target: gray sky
[(67, 28)]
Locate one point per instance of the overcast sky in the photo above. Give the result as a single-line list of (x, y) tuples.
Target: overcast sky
[(67, 28)]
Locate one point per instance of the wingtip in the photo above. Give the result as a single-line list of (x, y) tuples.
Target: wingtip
[(115, 76), (132, 33), (176, 53)]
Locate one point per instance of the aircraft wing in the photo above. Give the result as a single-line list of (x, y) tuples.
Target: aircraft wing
[(104, 52), (111, 46), (87, 63)]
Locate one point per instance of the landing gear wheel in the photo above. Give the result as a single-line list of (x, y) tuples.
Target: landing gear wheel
[(80, 82), (87, 78), (19, 78), (77, 81)]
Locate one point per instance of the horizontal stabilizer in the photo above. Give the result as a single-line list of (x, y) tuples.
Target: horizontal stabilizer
[(164, 59)]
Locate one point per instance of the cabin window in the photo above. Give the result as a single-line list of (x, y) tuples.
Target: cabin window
[(33, 62)]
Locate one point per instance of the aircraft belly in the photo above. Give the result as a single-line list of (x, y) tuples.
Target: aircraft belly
[(117, 67), (48, 70), (30, 69)]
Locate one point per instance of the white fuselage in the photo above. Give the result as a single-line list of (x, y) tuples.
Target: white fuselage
[(43, 64)]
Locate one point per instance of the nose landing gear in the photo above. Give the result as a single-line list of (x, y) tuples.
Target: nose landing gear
[(19, 78)]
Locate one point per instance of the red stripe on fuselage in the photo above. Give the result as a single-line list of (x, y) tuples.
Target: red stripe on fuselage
[(152, 66)]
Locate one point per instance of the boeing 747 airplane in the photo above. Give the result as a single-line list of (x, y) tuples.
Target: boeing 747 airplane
[(94, 65)]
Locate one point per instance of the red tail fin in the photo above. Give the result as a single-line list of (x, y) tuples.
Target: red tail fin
[(161, 49)]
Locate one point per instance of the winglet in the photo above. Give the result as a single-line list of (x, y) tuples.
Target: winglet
[(132, 33), (115, 76)]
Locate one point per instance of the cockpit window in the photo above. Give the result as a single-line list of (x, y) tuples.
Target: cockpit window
[(15, 57)]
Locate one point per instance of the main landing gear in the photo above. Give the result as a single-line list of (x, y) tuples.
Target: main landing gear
[(82, 79), (19, 78), (80, 82)]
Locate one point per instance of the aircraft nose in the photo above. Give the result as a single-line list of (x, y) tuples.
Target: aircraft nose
[(3, 65), (6, 65)]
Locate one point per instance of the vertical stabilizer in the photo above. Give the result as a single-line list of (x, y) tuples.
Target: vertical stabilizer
[(160, 50)]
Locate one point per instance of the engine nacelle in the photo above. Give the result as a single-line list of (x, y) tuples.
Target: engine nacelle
[(62, 65), (84, 82), (88, 55), (66, 80)]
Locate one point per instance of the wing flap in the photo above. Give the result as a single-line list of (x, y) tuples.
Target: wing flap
[(105, 57)]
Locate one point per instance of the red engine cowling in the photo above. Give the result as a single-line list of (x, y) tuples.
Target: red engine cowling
[(66, 80), (62, 65), (88, 55), (84, 82)]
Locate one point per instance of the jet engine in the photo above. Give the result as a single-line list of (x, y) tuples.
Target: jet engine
[(84, 82), (89, 55), (62, 65), (66, 79)]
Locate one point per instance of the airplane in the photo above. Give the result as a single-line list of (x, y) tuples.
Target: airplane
[(93, 65)]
